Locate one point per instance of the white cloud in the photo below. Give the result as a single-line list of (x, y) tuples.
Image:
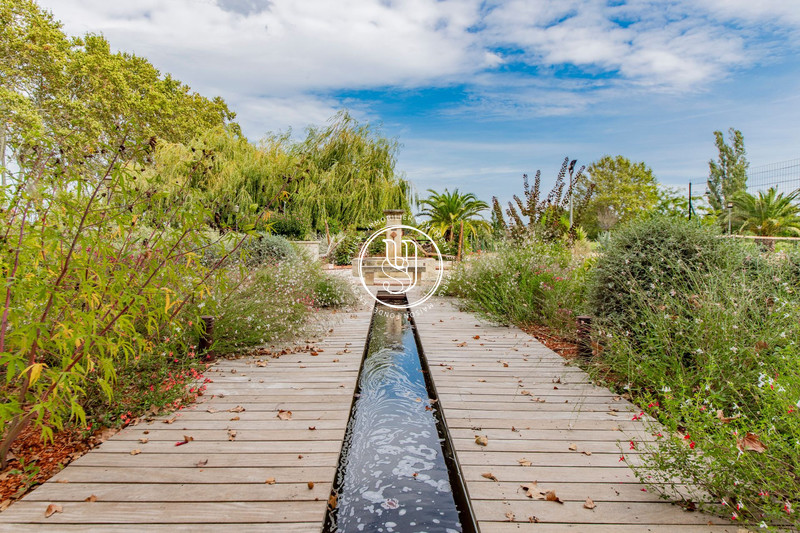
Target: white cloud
[(284, 60)]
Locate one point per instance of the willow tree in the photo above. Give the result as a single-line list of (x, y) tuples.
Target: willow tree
[(341, 175)]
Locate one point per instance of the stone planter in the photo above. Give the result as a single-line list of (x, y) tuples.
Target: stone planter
[(310, 249)]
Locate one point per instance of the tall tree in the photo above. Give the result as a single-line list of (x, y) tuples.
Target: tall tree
[(447, 210), (728, 175), (622, 190)]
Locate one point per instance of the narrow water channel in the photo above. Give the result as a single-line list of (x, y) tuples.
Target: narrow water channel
[(397, 472)]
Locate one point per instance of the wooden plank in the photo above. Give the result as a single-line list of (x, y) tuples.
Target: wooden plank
[(481, 396)]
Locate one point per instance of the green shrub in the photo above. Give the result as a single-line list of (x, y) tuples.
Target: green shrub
[(267, 249), (274, 303), (523, 283), (645, 257), (708, 341), (292, 227), (347, 249)]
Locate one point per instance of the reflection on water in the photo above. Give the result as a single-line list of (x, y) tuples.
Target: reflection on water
[(395, 478)]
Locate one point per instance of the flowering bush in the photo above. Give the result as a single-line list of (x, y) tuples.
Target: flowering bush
[(708, 341), (275, 302), (523, 283)]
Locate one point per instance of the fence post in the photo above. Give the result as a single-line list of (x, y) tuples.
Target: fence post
[(207, 336), (585, 336)]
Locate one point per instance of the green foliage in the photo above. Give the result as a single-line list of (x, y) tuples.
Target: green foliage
[(265, 249), (273, 304), (292, 227), (547, 219), (347, 249), (769, 214), (525, 282), (622, 191), (82, 97), (643, 256), (728, 175), (447, 211), (712, 351)]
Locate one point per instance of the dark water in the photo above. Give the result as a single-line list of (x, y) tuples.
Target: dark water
[(393, 476)]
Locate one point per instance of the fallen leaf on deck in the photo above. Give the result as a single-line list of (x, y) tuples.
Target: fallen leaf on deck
[(171, 420), (481, 381), (237, 409), (310, 485), (188, 438), (284, 415), (550, 496), (52, 509), (504, 363), (510, 516), (461, 344), (489, 475), (532, 490), (312, 428), (314, 354), (573, 447), (586, 452), (482, 440), (526, 393), (144, 440), (751, 443), (204, 462), (211, 410), (235, 418), (62, 481), (231, 434), (270, 481), (476, 337), (136, 452), (589, 504), (91, 498), (524, 462)]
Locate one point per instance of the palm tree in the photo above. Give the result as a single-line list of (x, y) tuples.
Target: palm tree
[(767, 215), (446, 211)]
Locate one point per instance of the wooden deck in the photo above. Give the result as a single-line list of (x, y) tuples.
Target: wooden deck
[(489, 379), (164, 488)]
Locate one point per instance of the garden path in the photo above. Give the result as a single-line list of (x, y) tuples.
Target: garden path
[(172, 488), (498, 382)]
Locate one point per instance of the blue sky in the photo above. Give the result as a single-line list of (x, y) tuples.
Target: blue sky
[(480, 92)]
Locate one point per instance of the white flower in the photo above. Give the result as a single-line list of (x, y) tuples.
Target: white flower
[(734, 349)]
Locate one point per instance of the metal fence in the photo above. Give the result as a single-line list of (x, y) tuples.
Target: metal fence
[(784, 176)]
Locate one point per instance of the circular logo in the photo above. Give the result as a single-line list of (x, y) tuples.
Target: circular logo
[(401, 267)]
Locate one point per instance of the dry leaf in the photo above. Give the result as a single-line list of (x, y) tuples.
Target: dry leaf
[(270, 481), (589, 504), (550, 496), (332, 501), (170, 420), (573, 447), (525, 393), (231, 434), (510, 516), (204, 462), (284, 415), (211, 410), (524, 462), (52, 509), (725, 419), (489, 475), (62, 481), (237, 409), (476, 337), (314, 354), (586, 452), (461, 344), (505, 363), (137, 451), (310, 485), (91, 498), (144, 440), (481, 381), (235, 418), (312, 428), (751, 443), (482, 440), (532, 490), (188, 438)]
